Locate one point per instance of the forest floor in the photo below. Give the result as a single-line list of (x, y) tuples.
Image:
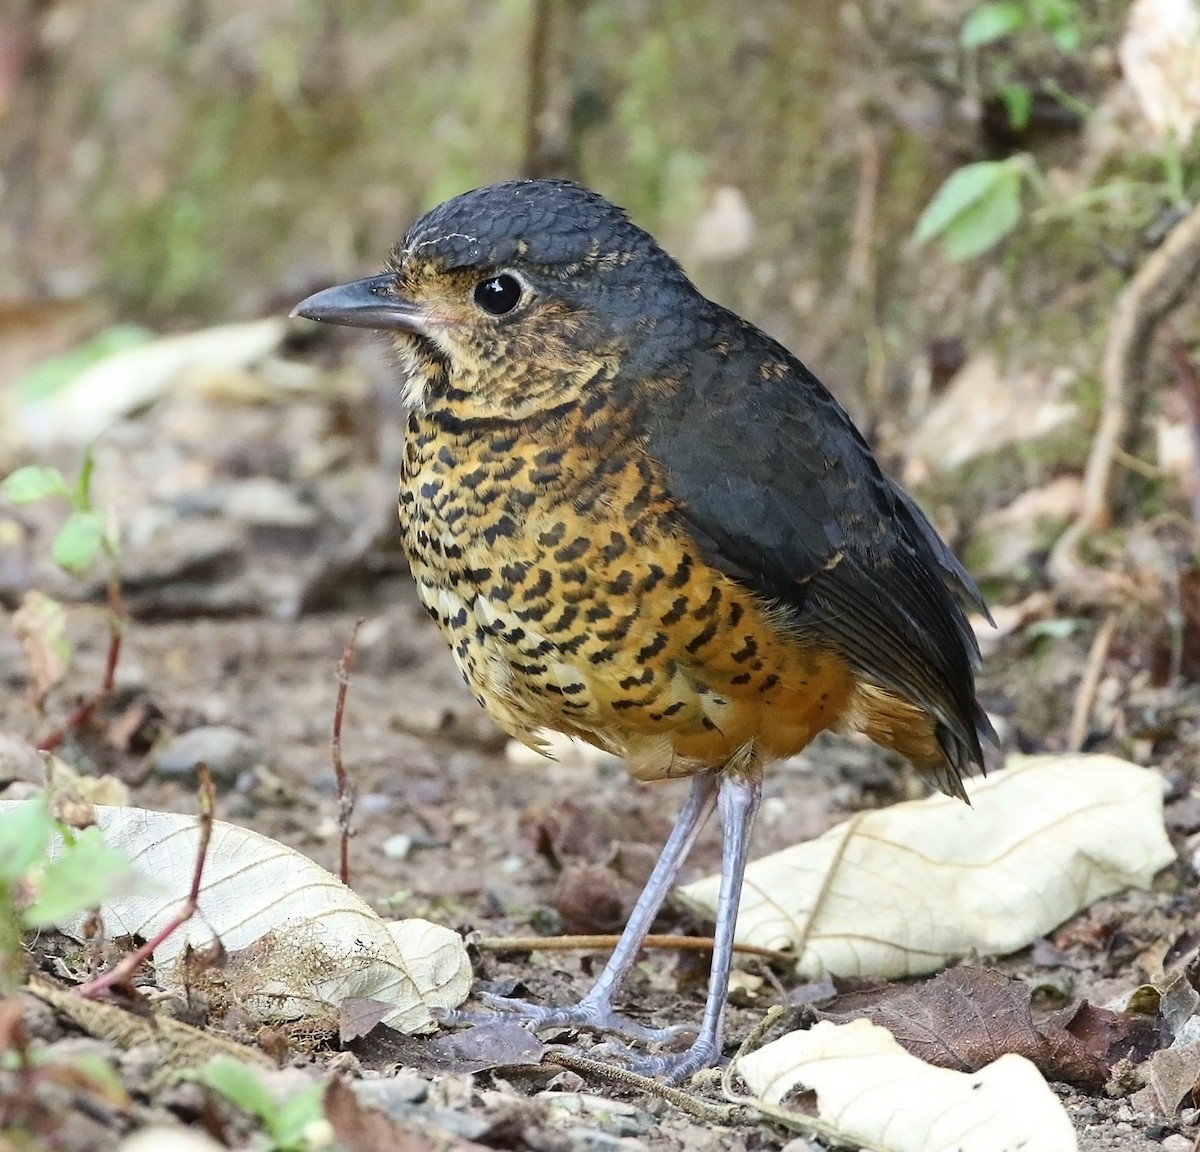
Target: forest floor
[(258, 532)]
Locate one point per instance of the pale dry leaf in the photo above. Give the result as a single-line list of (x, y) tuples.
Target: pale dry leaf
[(1160, 59), (172, 1138), (871, 1092), (137, 377), (59, 776), (988, 412), (901, 891), (39, 625), (312, 941)]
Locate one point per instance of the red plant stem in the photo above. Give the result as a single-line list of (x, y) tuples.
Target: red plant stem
[(124, 970), (82, 712)]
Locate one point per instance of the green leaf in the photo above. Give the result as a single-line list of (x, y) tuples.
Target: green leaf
[(24, 833), (1018, 101), (992, 22), (77, 542), (1066, 37), (294, 1117), (975, 208), (34, 483), (1060, 20), (80, 878), (239, 1085)]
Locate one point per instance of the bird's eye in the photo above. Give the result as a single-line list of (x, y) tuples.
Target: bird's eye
[(498, 294)]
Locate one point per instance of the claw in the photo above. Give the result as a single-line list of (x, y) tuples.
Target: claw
[(673, 1067)]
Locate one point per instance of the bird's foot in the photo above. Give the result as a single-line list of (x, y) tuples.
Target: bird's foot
[(671, 1067), (593, 1015)]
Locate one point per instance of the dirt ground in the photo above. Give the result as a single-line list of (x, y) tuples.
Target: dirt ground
[(247, 632)]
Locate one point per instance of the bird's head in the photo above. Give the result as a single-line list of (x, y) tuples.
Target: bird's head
[(513, 298)]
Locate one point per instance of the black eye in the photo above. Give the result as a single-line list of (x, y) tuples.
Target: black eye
[(498, 294)]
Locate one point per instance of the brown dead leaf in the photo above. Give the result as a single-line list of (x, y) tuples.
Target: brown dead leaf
[(1175, 1077), (360, 1129), (1112, 1036), (359, 1014), (137, 727), (39, 625), (501, 1044), (967, 1017), (592, 899)]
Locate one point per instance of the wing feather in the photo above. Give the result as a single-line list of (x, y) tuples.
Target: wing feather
[(781, 492)]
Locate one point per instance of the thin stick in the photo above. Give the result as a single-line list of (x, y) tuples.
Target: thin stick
[(123, 971), (1158, 287), (615, 1074), (599, 943), (346, 797), (1089, 684)]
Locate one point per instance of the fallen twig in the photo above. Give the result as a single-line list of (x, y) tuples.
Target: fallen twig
[(1159, 286), (693, 1105), (1089, 684), (599, 942), (346, 797)]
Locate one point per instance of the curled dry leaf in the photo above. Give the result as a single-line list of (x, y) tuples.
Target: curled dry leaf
[(871, 1092), (298, 940), (901, 891), (39, 625), (1174, 1073)]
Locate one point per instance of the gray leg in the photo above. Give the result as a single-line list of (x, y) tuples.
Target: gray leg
[(738, 802), (595, 1009)]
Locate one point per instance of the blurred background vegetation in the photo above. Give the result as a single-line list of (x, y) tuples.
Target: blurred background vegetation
[(184, 162)]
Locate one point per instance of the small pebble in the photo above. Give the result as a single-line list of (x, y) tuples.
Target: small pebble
[(403, 1087), (398, 847), (163, 1139), (19, 760), (1177, 1143), (228, 752), (375, 803), (266, 503)]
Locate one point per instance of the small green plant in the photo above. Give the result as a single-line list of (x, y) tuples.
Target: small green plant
[(85, 536), (982, 203), (40, 887), (295, 1125), (1056, 21)]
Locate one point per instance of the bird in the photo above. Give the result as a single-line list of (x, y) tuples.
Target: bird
[(640, 521)]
